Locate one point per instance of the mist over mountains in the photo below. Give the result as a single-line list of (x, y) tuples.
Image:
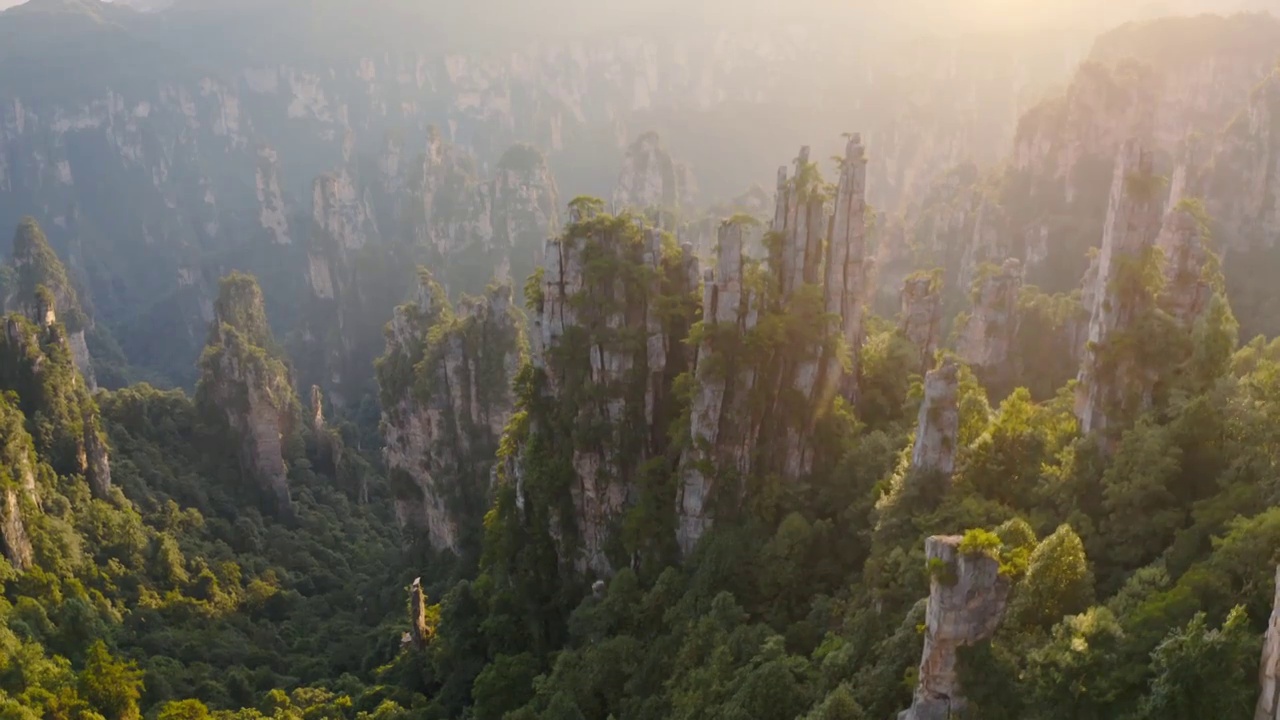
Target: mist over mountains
[(421, 359)]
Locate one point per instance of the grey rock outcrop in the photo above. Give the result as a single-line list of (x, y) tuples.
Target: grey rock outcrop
[(987, 336), (720, 422), (602, 334), (1268, 707), (245, 383), (37, 266), (446, 389), (736, 411), (13, 531), (967, 601), (1185, 257), (1132, 226), (420, 633), (938, 424), (921, 319), (651, 180), (19, 457), (96, 458), (1243, 185)]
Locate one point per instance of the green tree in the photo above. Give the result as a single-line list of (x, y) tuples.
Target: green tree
[(110, 685), (184, 710), (1203, 672), (1058, 582)]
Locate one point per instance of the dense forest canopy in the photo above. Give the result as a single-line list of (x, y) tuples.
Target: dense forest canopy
[(330, 387)]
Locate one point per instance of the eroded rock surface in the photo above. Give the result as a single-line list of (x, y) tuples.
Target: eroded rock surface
[(600, 332), (1268, 707), (446, 388), (921, 319), (1132, 226), (938, 424), (736, 412), (245, 383), (986, 338), (967, 601)]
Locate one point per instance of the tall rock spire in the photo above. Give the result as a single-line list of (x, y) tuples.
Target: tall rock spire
[(720, 421), (245, 383), (1132, 226), (37, 266), (607, 344), (987, 336), (846, 257), (938, 425), (921, 318), (1268, 707), (968, 597), (813, 284), (446, 397)]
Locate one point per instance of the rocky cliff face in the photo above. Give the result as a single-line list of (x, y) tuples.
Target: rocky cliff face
[(938, 424), (736, 412), (651, 180), (245, 384), (447, 396), (1045, 206), (1133, 224), (419, 631), (20, 494), (1268, 707), (1243, 182), (987, 336), (1159, 99), (36, 362), (370, 229), (920, 321), (608, 339), (1186, 261), (967, 601), (35, 266)]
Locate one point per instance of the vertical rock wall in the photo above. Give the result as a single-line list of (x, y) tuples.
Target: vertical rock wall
[(921, 318), (720, 419), (1182, 243), (1132, 225), (988, 334), (446, 390), (1268, 707), (967, 601), (938, 424), (815, 277), (605, 346), (246, 384)]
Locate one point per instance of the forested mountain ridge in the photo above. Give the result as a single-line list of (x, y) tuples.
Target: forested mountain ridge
[(674, 477), (137, 567)]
